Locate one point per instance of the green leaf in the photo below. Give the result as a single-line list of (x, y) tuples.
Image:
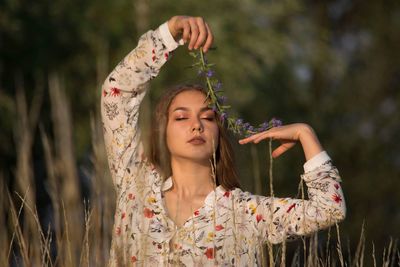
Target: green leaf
[(193, 54)]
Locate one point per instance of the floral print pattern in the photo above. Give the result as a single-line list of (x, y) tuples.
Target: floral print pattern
[(231, 226)]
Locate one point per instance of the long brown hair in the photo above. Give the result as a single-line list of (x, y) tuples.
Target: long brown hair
[(226, 174)]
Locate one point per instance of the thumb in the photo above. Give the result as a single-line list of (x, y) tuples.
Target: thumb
[(282, 149)]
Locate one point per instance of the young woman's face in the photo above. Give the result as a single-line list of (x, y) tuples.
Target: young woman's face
[(192, 130)]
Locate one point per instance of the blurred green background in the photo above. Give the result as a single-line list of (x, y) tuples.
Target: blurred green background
[(334, 64)]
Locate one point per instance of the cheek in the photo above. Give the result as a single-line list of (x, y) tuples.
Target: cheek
[(174, 130), (169, 136), (173, 135)]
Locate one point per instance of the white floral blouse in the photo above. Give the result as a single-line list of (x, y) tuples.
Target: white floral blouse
[(231, 226)]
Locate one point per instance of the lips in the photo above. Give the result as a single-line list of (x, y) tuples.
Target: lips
[(197, 140)]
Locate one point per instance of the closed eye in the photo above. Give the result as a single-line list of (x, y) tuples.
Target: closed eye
[(208, 118), (180, 119)]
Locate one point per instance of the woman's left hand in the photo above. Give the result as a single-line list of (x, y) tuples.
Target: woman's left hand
[(193, 30), (289, 135)]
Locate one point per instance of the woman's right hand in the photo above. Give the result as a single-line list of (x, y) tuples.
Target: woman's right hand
[(289, 135), (193, 30)]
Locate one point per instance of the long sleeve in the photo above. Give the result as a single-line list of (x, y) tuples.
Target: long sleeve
[(122, 93), (278, 219)]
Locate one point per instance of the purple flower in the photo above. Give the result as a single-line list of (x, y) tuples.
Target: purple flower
[(218, 100), (246, 126), (218, 86), (210, 73), (275, 122), (223, 116), (264, 126), (222, 99), (214, 108), (239, 122)]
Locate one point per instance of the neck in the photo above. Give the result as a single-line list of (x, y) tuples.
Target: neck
[(191, 178)]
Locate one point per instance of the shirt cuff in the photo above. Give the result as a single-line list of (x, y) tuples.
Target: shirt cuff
[(316, 161), (167, 37)]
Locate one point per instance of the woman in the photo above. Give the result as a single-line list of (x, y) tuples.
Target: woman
[(183, 205)]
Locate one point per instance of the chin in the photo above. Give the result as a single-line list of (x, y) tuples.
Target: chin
[(201, 157), (197, 156)]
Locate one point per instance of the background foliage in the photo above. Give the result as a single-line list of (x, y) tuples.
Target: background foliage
[(334, 64)]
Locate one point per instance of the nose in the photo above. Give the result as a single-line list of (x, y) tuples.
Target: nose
[(197, 126)]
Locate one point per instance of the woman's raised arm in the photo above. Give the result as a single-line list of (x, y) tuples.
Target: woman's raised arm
[(124, 88)]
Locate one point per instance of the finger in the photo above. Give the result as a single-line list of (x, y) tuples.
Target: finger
[(282, 149), (194, 33), (251, 138), (246, 140), (186, 31), (202, 33), (210, 39), (264, 136), (272, 133), (275, 133)]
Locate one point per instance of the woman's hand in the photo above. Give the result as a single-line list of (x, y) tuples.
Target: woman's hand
[(289, 135), (193, 30)]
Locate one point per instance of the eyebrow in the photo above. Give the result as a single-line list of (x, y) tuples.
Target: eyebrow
[(187, 109)]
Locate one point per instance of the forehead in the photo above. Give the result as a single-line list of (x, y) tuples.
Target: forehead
[(192, 99)]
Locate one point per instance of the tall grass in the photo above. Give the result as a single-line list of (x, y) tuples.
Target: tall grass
[(79, 232)]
